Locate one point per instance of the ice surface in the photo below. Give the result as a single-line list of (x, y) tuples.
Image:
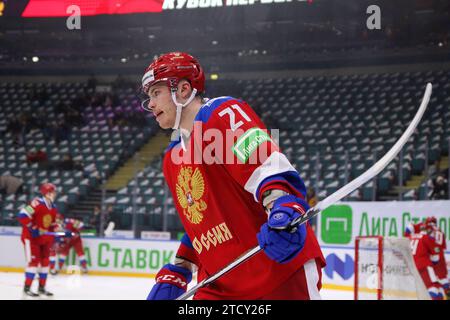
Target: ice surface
[(89, 287)]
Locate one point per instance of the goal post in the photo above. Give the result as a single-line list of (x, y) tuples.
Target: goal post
[(385, 270)]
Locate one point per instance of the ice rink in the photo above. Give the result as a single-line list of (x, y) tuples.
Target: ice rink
[(89, 287)]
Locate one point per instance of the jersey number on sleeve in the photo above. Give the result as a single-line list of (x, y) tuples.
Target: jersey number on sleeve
[(414, 244), (232, 115), (439, 238)]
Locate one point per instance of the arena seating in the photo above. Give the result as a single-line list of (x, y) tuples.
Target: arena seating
[(324, 123), (96, 144), (363, 115), (322, 118)]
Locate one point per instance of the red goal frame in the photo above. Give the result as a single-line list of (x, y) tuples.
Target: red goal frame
[(380, 265)]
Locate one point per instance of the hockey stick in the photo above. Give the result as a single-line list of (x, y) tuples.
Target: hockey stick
[(109, 229), (108, 232), (336, 196), (62, 234)]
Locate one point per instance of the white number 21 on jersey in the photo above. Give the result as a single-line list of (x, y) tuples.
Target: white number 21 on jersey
[(232, 115)]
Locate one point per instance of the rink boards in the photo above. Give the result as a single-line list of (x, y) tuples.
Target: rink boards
[(337, 227), (143, 258), (105, 256)]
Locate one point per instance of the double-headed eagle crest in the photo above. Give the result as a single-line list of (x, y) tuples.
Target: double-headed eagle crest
[(190, 189), (47, 221)]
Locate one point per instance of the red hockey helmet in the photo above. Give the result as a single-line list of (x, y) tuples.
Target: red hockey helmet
[(47, 188), (173, 67), (431, 221)]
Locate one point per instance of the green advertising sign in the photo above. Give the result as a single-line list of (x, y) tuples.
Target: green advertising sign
[(336, 224), (341, 223), (127, 256)]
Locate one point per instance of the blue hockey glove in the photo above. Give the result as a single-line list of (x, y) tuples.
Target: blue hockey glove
[(68, 234), (283, 245), (171, 282), (34, 232)]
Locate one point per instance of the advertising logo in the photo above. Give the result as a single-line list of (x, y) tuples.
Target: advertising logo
[(343, 268), (336, 224)]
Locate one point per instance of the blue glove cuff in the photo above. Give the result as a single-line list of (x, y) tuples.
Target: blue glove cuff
[(183, 271), (170, 291), (34, 232)]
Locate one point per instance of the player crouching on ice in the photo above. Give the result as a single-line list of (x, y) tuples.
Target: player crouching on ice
[(37, 219), (64, 244), (235, 197)]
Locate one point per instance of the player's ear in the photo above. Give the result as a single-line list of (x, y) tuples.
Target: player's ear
[(185, 89)]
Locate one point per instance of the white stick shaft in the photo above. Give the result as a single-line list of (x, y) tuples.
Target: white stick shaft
[(73, 234), (383, 162), (220, 273), (56, 234)]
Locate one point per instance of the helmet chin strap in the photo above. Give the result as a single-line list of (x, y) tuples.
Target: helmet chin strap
[(48, 201), (180, 107)]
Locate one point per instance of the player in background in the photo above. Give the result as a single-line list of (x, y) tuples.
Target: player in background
[(233, 198), (56, 243), (413, 228), (37, 218), (72, 227), (426, 254), (53, 254), (440, 267)]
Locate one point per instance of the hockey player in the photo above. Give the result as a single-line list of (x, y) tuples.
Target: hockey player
[(233, 189), (440, 267), (37, 218), (72, 226), (56, 243), (52, 255), (426, 254), (413, 228)]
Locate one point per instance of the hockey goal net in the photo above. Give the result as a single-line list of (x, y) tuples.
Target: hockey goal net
[(385, 269)]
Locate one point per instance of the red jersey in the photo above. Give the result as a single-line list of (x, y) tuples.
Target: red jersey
[(216, 180), (72, 225), (424, 250), (413, 228), (38, 214), (441, 266)]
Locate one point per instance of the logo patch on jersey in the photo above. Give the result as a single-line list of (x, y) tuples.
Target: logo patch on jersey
[(190, 189), (249, 142), (47, 220), (29, 209)]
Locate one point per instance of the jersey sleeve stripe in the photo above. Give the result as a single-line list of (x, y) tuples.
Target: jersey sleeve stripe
[(288, 181), (24, 214), (186, 241), (276, 163)]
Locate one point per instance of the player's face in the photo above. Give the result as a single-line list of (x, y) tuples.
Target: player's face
[(162, 105), (51, 196)]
